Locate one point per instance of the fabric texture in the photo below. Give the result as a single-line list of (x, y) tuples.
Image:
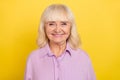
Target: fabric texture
[(42, 64)]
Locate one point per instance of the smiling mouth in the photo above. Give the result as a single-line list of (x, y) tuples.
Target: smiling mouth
[(57, 35)]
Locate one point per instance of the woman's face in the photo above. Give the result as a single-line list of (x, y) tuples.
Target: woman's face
[(57, 31)]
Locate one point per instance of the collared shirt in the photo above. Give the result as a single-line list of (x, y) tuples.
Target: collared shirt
[(42, 64)]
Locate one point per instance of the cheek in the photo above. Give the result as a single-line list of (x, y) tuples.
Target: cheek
[(47, 30), (48, 33), (68, 31)]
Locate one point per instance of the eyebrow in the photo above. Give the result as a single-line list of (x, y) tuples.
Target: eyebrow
[(51, 21), (64, 21), (60, 21)]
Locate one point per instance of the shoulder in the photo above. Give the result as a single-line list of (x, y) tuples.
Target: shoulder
[(40, 52), (80, 54)]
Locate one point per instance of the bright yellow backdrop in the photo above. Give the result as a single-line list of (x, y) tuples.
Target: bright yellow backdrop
[(98, 23)]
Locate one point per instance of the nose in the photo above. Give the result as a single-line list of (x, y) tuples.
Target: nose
[(57, 28)]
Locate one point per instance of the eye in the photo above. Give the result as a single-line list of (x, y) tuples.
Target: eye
[(51, 24), (64, 23)]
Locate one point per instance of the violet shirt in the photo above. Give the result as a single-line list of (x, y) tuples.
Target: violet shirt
[(42, 64)]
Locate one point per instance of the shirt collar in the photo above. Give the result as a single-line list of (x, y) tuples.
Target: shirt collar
[(49, 52)]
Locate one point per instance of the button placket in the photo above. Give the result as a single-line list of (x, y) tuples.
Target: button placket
[(57, 69)]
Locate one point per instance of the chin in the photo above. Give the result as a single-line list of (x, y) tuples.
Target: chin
[(58, 42)]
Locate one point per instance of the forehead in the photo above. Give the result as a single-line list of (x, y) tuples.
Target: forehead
[(57, 16)]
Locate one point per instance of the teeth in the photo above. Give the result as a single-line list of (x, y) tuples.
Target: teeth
[(57, 34)]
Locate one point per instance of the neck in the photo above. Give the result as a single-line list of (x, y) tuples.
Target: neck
[(57, 48)]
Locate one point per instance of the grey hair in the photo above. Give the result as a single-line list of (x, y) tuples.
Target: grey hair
[(58, 12)]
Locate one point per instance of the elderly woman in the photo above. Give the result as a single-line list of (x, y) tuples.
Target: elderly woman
[(59, 56)]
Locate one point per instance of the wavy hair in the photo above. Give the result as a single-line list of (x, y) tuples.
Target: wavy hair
[(58, 12)]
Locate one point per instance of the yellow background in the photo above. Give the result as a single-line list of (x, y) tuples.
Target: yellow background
[(98, 23)]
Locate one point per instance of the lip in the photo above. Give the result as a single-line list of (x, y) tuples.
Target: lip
[(57, 35)]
